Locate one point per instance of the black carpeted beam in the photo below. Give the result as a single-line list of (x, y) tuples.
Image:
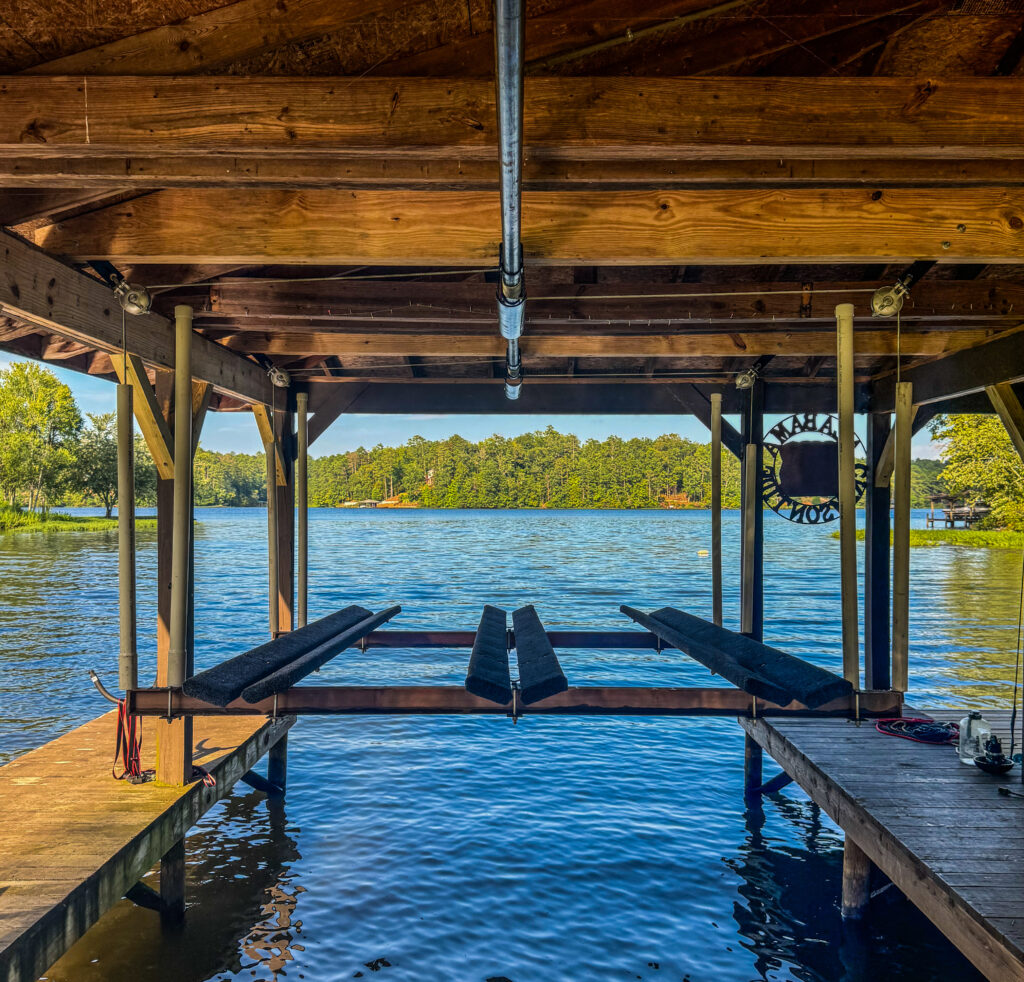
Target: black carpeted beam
[(488, 675), (748, 664), (540, 675), (224, 683), (719, 662), (306, 663)]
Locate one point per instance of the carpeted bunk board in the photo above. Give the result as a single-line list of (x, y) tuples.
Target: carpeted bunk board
[(750, 665), (488, 674), (296, 670), (540, 675), (225, 682)]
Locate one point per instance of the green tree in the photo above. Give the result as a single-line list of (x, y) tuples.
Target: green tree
[(96, 464), (982, 464), (39, 426)]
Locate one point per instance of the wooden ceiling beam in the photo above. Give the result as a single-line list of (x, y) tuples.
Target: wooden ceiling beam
[(596, 344), (275, 169), (566, 119), (37, 290), (567, 395), (450, 228), (217, 37), (347, 303)]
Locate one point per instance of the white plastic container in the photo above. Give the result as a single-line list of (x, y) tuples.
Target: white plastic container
[(974, 731)]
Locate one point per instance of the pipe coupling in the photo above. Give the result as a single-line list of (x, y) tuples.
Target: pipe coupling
[(511, 314)]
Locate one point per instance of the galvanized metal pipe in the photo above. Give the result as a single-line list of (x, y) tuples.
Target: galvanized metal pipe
[(901, 536), (181, 531), (302, 503), (128, 661), (509, 45), (847, 495), (716, 507)]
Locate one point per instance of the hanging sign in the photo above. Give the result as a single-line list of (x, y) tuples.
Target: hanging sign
[(800, 478)]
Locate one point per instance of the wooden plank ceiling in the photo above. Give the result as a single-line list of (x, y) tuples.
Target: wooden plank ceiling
[(703, 181)]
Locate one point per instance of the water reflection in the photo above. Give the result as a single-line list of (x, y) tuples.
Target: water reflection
[(788, 915), (242, 897)]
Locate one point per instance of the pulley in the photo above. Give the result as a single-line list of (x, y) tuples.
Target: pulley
[(887, 301), (134, 299)]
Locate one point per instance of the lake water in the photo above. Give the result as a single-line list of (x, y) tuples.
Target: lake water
[(469, 849)]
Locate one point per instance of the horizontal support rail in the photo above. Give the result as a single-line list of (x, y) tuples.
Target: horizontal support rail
[(437, 700), (464, 639)]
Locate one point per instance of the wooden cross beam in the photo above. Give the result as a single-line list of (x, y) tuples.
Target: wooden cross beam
[(39, 290), (459, 228), (642, 133)]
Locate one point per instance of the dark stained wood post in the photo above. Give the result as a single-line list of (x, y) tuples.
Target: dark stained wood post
[(752, 545), (876, 558), (172, 884), (277, 763), (752, 555)]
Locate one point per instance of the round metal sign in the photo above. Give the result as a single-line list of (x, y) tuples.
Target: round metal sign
[(800, 478)]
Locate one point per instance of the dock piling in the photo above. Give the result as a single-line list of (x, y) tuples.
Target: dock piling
[(302, 505), (277, 765), (172, 885), (856, 880), (753, 768), (847, 495), (901, 536)]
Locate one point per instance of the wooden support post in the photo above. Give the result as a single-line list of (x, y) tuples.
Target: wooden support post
[(856, 880), (752, 544), (847, 496), (128, 663), (753, 767), (277, 763), (716, 507), (302, 503), (174, 520), (172, 885), (877, 673), (1005, 402), (901, 536)]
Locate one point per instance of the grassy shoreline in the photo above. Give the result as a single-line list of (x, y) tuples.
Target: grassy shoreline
[(12, 520), (975, 538)]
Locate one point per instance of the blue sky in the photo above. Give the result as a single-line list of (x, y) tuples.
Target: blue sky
[(225, 432)]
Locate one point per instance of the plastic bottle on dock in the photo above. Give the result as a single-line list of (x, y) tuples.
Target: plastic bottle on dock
[(974, 733)]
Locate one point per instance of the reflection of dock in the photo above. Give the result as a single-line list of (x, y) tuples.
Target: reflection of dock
[(937, 828), (74, 841)]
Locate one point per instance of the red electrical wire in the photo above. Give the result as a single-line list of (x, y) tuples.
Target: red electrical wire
[(128, 748), (919, 729)]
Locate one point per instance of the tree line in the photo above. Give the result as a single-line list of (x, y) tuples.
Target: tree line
[(50, 454)]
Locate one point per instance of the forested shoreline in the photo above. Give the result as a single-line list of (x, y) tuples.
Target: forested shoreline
[(51, 455)]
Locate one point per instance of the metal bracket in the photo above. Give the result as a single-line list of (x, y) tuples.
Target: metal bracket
[(516, 711)]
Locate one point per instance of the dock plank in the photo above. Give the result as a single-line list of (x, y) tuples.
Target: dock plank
[(903, 803), (74, 840)]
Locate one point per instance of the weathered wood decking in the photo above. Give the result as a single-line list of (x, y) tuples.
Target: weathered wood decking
[(73, 840), (937, 828)]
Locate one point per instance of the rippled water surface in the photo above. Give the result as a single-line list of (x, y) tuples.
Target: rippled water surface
[(466, 848)]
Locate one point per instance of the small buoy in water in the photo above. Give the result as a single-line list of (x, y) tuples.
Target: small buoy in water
[(702, 552)]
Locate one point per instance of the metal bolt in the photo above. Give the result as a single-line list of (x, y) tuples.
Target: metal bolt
[(945, 245), (961, 228)]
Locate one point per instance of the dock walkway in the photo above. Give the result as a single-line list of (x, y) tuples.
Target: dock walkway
[(937, 828), (73, 840)]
